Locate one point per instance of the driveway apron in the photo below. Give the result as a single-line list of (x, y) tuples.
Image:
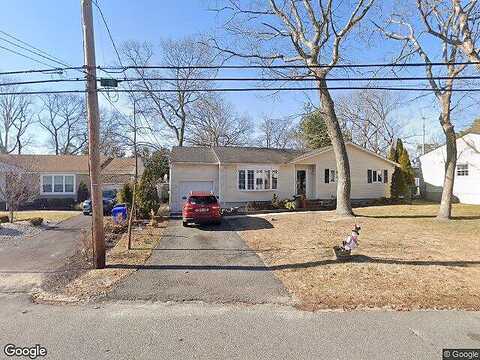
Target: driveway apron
[(211, 264)]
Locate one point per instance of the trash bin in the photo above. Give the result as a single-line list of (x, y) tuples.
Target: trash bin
[(119, 213)]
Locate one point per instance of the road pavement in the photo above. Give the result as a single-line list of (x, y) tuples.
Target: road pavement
[(145, 330), (24, 265)]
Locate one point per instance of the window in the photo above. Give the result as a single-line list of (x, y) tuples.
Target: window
[(58, 184), (377, 176), (462, 169), (69, 184), (330, 176), (274, 179), (241, 179), (47, 184), (257, 179), (250, 179)]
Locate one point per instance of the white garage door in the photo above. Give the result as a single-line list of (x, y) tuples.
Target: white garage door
[(184, 188)]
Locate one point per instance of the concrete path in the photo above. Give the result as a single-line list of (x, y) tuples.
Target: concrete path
[(138, 330), (23, 265), (211, 264)]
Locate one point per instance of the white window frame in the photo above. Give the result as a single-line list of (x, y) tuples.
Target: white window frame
[(257, 175), (377, 172), (332, 174), (63, 184), (463, 171)]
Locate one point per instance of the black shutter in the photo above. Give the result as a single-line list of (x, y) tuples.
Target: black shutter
[(369, 176), (385, 176), (327, 176)]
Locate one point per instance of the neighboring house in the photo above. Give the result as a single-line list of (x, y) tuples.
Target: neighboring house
[(238, 175), (58, 176), (467, 176)]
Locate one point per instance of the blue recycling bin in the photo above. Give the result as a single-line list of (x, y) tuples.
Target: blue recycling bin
[(119, 213)]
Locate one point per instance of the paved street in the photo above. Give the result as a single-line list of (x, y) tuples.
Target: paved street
[(139, 330), (209, 263), (23, 265)]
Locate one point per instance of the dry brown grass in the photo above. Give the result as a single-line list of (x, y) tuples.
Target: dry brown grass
[(407, 259), (47, 215)]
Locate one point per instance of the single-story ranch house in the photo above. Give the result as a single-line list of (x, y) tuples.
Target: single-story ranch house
[(58, 176), (238, 175)]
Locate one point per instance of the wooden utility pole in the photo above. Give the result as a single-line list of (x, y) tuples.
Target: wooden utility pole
[(98, 236)]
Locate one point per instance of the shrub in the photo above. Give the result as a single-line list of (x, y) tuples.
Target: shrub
[(36, 221), (147, 196), (125, 196), (4, 219), (82, 192)]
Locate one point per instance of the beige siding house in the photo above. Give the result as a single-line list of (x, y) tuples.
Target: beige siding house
[(238, 175), (58, 176)]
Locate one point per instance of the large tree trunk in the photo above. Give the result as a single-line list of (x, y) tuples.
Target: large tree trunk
[(344, 205), (445, 210)]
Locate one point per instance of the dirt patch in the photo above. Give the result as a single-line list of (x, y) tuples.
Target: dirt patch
[(406, 259), (83, 283)]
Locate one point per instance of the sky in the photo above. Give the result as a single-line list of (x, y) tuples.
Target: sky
[(55, 26)]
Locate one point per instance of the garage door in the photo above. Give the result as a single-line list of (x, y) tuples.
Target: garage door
[(184, 188)]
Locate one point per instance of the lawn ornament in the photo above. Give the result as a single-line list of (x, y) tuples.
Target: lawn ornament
[(350, 243)]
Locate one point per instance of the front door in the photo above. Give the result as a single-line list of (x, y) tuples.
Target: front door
[(301, 182)]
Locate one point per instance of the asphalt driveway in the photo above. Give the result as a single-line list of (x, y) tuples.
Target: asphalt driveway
[(24, 264), (211, 264)]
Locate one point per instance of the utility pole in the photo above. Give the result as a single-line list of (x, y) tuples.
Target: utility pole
[(98, 236)]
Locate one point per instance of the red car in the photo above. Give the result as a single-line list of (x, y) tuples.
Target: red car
[(201, 207)]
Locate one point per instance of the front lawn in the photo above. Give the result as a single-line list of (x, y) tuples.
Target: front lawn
[(47, 215), (406, 258)]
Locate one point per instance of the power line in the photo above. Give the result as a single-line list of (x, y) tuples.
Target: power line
[(28, 57), (346, 79), (33, 52), (338, 66), (29, 45), (237, 90), (46, 71), (125, 68), (108, 31)]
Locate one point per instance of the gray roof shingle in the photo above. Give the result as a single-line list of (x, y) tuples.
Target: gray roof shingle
[(193, 155), (232, 155)]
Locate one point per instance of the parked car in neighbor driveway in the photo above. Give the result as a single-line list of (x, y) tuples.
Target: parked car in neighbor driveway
[(109, 201), (201, 207)]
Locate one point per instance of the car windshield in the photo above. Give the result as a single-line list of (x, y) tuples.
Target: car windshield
[(109, 194), (202, 200)]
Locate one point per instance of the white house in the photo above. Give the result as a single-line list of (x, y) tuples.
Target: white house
[(467, 175), (238, 175)]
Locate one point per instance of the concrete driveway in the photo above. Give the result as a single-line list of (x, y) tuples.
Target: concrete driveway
[(24, 264), (211, 264)]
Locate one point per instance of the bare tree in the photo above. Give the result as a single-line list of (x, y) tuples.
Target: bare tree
[(215, 123), (402, 29), (174, 109), (16, 188), (315, 32), (15, 120), (277, 132), (64, 118), (369, 119), (465, 17)]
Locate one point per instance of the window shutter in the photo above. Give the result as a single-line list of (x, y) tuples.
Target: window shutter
[(369, 176), (385, 176), (327, 176)]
